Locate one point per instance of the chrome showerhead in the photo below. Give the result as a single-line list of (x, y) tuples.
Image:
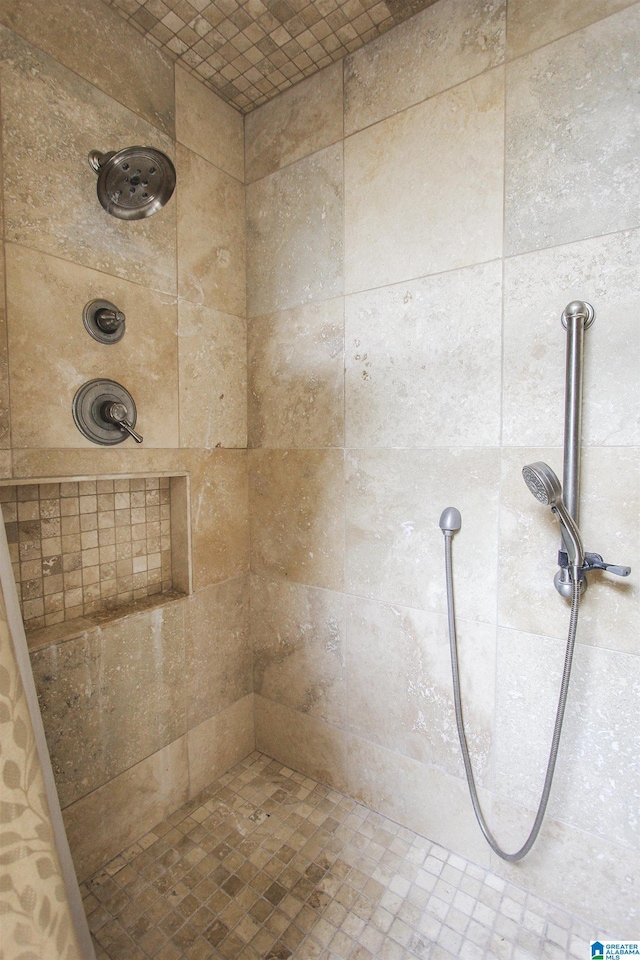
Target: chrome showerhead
[(545, 486), (133, 183), (543, 483)]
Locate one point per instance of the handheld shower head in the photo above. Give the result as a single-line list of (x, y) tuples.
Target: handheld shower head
[(450, 520), (543, 483), (545, 486)]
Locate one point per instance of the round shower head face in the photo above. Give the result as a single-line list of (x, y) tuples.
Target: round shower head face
[(543, 483), (134, 183)]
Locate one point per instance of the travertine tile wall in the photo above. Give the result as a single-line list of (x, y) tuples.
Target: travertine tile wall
[(437, 205), (125, 746)]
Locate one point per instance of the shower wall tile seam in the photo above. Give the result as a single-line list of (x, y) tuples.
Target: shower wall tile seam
[(107, 92), (20, 244), (563, 36)]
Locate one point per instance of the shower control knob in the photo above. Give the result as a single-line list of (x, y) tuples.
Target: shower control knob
[(109, 320), (593, 561), (104, 321), (115, 412)]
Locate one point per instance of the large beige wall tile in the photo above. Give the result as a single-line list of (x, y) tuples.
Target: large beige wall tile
[(102, 824), (394, 546), (5, 432), (529, 542), (423, 361), (218, 650), (296, 371), (52, 119), (592, 790), (301, 742), (220, 742), (300, 121), (610, 904), (111, 698), (219, 514), (298, 635), (92, 40), (573, 137), (418, 796), (444, 45), (6, 463), (295, 234), (533, 23), (211, 235), (213, 377), (538, 286), (209, 126), (400, 690), (297, 516), (423, 189), (52, 355)]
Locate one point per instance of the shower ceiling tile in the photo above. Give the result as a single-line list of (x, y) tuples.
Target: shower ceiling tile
[(247, 51)]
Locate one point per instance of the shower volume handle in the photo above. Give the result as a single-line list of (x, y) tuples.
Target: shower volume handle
[(116, 412)]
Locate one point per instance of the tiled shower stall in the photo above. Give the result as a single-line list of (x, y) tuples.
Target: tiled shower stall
[(346, 319)]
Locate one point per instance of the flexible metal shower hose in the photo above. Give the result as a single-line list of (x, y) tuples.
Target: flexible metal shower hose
[(557, 730)]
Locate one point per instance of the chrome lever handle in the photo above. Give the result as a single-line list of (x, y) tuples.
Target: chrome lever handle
[(114, 412)]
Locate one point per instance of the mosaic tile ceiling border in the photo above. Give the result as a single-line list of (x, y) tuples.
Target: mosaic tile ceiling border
[(248, 51)]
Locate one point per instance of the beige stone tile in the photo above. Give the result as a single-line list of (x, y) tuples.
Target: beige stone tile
[(296, 371), (49, 112), (422, 361), (394, 546), (566, 181), (612, 906), (533, 23), (219, 742), (61, 352), (5, 425), (295, 234), (298, 637), (213, 377), (423, 189), (209, 126), (101, 825), (592, 789), (299, 122), (301, 742), (540, 285), (106, 461), (421, 797), (112, 697), (218, 649), (211, 235), (219, 515), (400, 688), (6, 465), (444, 45), (297, 516), (92, 40), (529, 541)]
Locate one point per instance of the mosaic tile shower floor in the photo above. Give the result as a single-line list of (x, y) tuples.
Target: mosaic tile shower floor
[(267, 863)]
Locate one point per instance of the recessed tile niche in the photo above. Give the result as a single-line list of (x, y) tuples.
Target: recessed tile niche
[(87, 547)]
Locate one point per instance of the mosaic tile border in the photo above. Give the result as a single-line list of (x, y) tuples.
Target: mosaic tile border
[(248, 51), (268, 863), (83, 547)]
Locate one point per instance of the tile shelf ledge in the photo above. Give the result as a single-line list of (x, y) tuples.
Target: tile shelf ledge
[(59, 633)]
